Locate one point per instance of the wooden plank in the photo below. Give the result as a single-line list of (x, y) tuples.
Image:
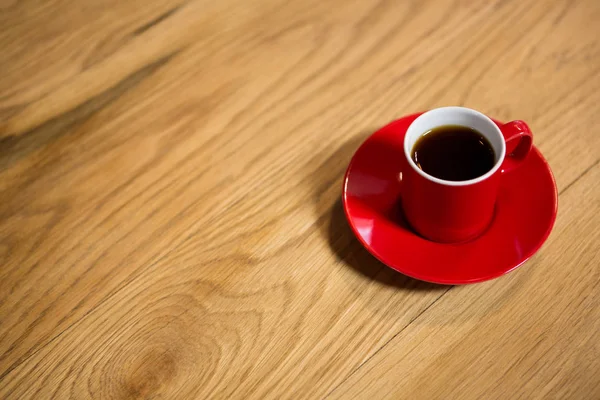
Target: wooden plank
[(151, 240), (534, 334)]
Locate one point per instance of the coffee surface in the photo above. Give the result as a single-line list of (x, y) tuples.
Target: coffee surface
[(453, 153)]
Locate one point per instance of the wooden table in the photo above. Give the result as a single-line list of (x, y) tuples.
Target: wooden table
[(170, 217)]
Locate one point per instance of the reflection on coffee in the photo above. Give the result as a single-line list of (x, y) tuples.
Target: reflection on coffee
[(453, 153)]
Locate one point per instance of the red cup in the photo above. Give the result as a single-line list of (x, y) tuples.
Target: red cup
[(457, 211)]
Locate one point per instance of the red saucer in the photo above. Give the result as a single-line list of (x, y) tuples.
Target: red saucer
[(525, 213)]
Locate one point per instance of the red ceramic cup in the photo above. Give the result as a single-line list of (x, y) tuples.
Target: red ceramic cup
[(458, 211)]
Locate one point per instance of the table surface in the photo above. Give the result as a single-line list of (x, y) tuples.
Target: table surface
[(170, 216)]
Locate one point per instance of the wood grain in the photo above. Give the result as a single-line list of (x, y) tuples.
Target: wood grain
[(169, 183), (538, 338)]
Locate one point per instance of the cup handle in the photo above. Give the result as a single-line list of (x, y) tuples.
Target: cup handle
[(519, 139)]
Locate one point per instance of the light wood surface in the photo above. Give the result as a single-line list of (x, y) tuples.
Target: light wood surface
[(170, 223)]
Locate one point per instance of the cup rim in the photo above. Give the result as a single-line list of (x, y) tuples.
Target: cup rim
[(473, 181)]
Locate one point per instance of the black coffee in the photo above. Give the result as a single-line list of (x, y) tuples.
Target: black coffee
[(453, 153)]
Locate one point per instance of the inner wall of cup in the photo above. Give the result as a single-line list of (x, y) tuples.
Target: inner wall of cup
[(456, 116)]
